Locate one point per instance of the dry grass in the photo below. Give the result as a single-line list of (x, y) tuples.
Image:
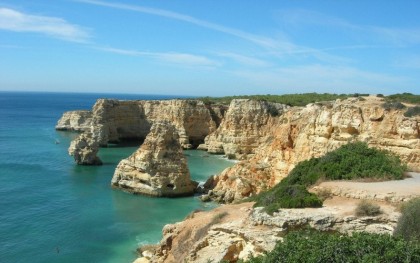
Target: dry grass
[(367, 208)]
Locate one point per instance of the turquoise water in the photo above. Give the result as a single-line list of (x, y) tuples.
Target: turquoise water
[(54, 211)]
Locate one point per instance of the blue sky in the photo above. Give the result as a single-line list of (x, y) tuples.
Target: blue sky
[(210, 47)]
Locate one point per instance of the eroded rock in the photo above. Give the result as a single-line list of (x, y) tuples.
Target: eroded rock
[(158, 167), (84, 150)]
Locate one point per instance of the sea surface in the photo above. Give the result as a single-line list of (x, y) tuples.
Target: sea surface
[(54, 211)]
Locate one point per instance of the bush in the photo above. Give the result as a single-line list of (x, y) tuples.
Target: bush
[(303, 246), (413, 111), (408, 226), (404, 97), (287, 196), (350, 161), (393, 105), (366, 208), (289, 99)]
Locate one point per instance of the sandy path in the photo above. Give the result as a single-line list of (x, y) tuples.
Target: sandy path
[(393, 191)]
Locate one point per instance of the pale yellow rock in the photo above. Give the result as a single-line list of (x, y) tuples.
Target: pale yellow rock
[(302, 133), (84, 150), (80, 120), (114, 121), (242, 127), (158, 167)]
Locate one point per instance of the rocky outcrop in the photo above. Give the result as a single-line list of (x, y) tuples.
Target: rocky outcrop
[(80, 120), (158, 167), (234, 232), (302, 133), (245, 125), (114, 121), (84, 149)]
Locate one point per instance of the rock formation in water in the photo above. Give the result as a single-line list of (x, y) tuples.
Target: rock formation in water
[(158, 167), (80, 120), (302, 133), (84, 149), (113, 121), (270, 138)]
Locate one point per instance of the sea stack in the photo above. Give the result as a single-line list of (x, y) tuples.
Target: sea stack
[(84, 150), (158, 168)]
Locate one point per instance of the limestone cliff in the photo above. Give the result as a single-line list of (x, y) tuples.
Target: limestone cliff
[(113, 121), (84, 149), (233, 232), (303, 133), (80, 120), (244, 125), (158, 167)]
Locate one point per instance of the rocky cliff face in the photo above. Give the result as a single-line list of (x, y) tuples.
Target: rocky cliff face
[(84, 149), (245, 123), (303, 133), (113, 121), (80, 120), (158, 167), (233, 232)]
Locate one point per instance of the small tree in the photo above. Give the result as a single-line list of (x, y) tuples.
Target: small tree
[(408, 225)]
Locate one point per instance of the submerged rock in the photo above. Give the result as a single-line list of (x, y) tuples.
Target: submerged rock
[(158, 167), (84, 149)]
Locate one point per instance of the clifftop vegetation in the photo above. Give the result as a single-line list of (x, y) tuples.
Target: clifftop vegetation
[(349, 162), (306, 98), (289, 99), (304, 246)]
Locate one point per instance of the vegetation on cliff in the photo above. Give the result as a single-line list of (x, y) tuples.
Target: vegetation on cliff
[(408, 226), (306, 98), (404, 97), (304, 246), (351, 161), (289, 99)]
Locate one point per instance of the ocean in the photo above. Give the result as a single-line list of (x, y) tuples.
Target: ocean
[(52, 210)]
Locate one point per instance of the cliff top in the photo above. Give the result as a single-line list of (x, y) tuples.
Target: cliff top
[(306, 98)]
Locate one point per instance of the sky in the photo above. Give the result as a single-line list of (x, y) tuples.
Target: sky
[(210, 47)]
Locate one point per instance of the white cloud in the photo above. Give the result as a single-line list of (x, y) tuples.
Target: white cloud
[(16, 21), (182, 59), (262, 41)]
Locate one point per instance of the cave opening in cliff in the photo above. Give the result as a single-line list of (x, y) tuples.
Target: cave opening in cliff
[(127, 142), (195, 142)]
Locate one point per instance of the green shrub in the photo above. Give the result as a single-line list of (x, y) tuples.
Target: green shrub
[(303, 246), (408, 225), (289, 99), (412, 111), (350, 161), (380, 95), (393, 105), (287, 196), (404, 97), (366, 208)]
